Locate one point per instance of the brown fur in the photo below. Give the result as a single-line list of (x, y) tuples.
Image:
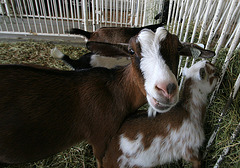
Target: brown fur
[(113, 34), (46, 111)]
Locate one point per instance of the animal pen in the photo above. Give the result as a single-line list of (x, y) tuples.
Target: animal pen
[(212, 23)]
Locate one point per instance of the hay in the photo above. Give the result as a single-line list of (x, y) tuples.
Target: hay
[(81, 154)]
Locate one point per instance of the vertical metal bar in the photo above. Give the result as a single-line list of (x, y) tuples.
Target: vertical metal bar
[(173, 13), (33, 15), (14, 13), (9, 16), (124, 16), (223, 17), (38, 14), (102, 13), (185, 37), (144, 13), (78, 12), (3, 16), (181, 33), (215, 20), (132, 12), (64, 7), (159, 8), (235, 12), (111, 8), (127, 10), (141, 13), (117, 12), (21, 15), (61, 14), (89, 8), (56, 15), (224, 30), (169, 13), (93, 16), (227, 60), (196, 25), (121, 13), (97, 11), (184, 19), (71, 8), (114, 10), (67, 13), (43, 8), (137, 13), (176, 15), (203, 26), (180, 16), (197, 21), (24, 4), (189, 21), (85, 14), (50, 15), (231, 37), (75, 10), (106, 12), (238, 46)]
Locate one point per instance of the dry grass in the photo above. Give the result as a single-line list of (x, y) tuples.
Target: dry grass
[(81, 154)]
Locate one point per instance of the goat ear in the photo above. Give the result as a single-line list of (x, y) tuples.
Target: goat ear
[(190, 49), (108, 49)]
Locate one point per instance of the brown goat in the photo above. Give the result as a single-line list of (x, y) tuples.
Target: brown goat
[(44, 111), (148, 142)]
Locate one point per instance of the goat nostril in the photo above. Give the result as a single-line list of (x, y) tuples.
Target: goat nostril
[(158, 88), (171, 87)]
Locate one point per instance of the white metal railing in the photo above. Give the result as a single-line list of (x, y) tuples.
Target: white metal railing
[(54, 17), (216, 24)]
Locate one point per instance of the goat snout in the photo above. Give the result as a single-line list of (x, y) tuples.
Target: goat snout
[(167, 91)]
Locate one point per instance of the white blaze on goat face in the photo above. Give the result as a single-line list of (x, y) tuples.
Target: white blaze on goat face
[(156, 72)]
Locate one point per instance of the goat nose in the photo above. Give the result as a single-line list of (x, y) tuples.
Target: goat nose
[(171, 87), (166, 90)]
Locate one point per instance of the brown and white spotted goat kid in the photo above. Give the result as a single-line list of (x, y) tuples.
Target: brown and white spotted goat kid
[(148, 142), (44, 111)]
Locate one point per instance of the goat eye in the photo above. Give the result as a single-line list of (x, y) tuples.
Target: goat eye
[(131, 51)]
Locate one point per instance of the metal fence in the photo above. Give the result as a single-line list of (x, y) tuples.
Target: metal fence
[(214, 23), (54, 17)]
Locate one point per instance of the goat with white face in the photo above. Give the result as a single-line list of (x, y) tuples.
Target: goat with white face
[(44, 111), (148, 142)]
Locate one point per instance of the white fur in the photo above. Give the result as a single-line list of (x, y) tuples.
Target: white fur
[(154, 68), (177, 143), (108, 62), (56, 53), (162, 150)]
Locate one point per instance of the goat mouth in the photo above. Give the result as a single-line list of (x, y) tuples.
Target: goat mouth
[(158, 106)]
